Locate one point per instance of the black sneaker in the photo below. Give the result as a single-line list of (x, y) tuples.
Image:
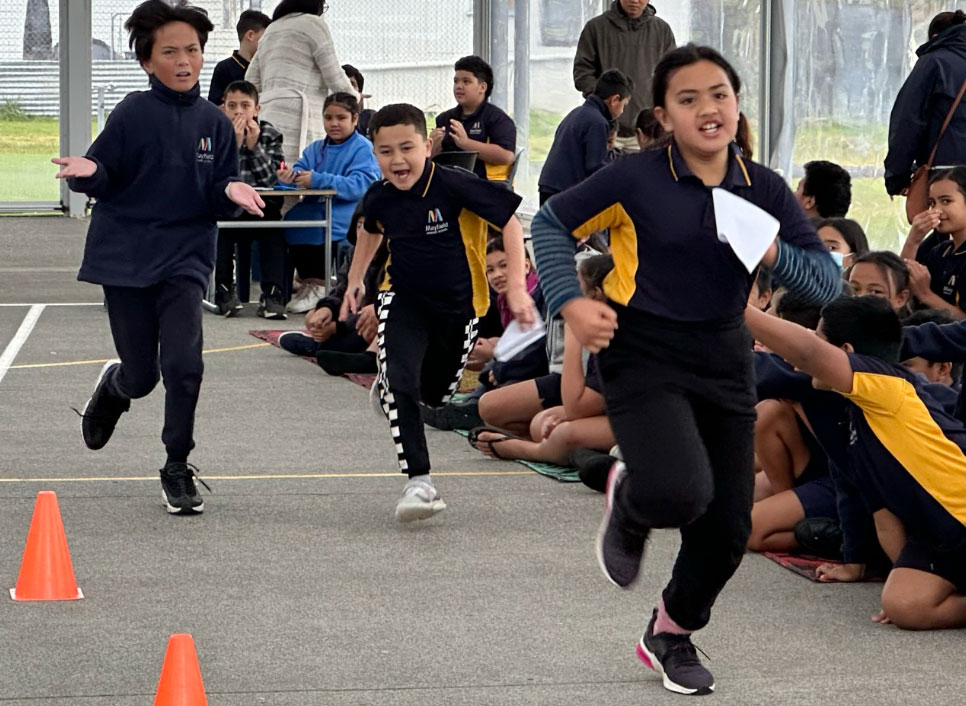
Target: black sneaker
[(619, 550), (227, 301), (298, 343), (271, 306), (178, 489), (100, 414), (819, 536), (454, 416), (675, 658), (593, 467), (339, 363)]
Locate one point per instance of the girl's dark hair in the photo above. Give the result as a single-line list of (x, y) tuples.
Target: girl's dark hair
[(152, 15), (595, 268), (649, 125), (957, 175), (890, 264), (346, 100), (743, 137), (944, 20), (685, 56), (291, 7), (479, 68), (354, 219), (867, 323), (495, 244), (852, 233)]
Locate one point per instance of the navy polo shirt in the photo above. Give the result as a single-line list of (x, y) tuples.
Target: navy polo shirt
[(906, 454), (487, 124), (668, 260), (437, 233), (226, 72), (947, 269)]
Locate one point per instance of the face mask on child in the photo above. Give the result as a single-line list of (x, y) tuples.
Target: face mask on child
[(838, 257)]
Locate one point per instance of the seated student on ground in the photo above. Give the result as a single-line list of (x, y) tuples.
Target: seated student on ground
[(579, 420), (844, 238), (259, 157), (529, 363), (250, 28), (649, 132), (906, 460), (825, 191), (475, 124), (761, 289), (880, 273), (365, 114), (580, 144), (944, 376), (937, 275), (343, 161), (342, 346)]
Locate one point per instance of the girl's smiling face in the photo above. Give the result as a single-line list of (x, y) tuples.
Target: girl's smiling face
[(700, 109), (869, 279), (946, 197)]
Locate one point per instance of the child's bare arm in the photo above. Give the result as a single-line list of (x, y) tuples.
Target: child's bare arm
[(579, 401), (802, 348), (891, 533)]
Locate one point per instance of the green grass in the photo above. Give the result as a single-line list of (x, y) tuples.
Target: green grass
[(26, 148)]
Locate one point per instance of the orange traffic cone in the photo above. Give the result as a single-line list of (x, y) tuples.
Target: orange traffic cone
[(46, 573), (180, 683)]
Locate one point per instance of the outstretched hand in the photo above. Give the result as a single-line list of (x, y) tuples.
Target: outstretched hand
[(246, 197), (80, 167)]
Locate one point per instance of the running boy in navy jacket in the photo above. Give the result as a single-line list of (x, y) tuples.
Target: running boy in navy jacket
[(580, 144), (163, 170)]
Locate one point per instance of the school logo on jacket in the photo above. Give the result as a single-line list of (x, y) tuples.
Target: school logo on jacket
[(435, 223), (205, 151)]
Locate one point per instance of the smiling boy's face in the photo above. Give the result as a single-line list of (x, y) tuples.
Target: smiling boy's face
[(402, 153), (176, 56)]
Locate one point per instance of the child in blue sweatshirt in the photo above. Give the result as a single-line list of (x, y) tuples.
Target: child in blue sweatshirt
[(163, 170), (342, 161)]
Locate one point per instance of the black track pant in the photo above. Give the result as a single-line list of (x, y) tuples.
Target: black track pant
[(680, 399), (157, 331), (421, 357)]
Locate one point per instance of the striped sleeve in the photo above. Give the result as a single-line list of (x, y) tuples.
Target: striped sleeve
[(554, 247), (810, 274)]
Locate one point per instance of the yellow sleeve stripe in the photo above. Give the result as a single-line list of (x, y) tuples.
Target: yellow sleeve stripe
[(914, 438), (621, 283), (473, 231)]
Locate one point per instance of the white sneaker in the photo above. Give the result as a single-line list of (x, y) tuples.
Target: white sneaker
[(305, 298), (420, 500)]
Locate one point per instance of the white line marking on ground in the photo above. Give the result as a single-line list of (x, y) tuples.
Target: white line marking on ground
[(19, 338), (23, 304)]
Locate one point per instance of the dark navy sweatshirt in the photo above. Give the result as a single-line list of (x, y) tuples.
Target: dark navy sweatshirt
[(932, 341), (163, 161), (579, 146)]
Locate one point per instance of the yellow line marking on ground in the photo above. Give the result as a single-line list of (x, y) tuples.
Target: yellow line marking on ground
[(104, 360), (279, 476)]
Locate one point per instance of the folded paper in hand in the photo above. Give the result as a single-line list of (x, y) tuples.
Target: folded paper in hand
[(748, 229), (515, 338)]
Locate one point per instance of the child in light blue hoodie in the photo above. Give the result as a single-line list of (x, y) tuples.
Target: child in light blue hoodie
[(342, 161)]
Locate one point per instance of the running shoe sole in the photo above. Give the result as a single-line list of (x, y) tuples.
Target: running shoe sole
[(410, 509), (172, 510), (651, 661)]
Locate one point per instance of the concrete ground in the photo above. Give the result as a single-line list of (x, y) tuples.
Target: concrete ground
[(299, 587)]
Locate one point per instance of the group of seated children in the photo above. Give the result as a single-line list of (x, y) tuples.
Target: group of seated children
[(860, 439)]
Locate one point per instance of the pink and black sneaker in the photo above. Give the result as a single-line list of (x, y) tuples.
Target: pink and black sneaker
[(675, 658)]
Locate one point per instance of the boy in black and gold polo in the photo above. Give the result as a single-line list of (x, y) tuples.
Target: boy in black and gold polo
[(436, 221)]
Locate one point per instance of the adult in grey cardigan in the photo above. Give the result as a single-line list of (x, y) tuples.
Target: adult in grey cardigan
[(628, 36), (294, 69)]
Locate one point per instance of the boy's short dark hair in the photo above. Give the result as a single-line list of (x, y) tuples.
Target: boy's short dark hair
[(613, 83), (830, 185), (398, 114), (868, 323), (151, 15), (242, 86), (935, 316), (791, 307), (479, 68), (252, 20), (352, 72)]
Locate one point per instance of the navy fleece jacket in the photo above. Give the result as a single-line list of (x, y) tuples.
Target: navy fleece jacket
[(579, 146), (163, 161)]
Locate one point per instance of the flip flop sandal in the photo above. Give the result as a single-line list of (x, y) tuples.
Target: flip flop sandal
[(474, 438)]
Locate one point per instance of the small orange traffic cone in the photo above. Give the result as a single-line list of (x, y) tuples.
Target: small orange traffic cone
[(46, 573), (180, 683)]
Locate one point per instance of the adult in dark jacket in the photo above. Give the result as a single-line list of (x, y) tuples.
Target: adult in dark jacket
[(924, 101), (629, 36)]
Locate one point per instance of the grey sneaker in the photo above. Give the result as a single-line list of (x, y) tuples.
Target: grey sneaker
[(271, 306), (675, 658), (420, 500), (178, 489), (227, 301), (619, 550)]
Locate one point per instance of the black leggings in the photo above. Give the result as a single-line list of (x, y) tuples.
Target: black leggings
[(680, 399)]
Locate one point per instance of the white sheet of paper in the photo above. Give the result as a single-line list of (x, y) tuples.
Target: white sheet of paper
[(515, 338), (748, 229)]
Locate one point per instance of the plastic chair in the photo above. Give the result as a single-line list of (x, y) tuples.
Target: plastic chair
[(464, 160), (508, 182)]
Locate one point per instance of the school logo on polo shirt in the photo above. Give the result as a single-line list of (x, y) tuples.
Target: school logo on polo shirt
[(205, 152), (435, 224), (950, 288), (477, 129)]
